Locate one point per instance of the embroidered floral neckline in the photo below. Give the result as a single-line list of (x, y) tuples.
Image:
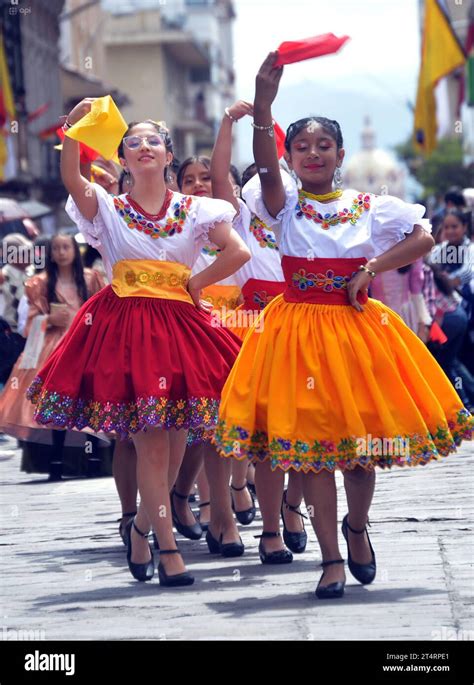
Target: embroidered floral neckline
[(360, 204), (155, 227)]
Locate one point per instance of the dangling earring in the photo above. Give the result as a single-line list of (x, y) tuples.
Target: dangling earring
[(128, 178), (338, 178)]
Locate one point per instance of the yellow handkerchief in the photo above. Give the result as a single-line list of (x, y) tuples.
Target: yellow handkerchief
[(102, 128)]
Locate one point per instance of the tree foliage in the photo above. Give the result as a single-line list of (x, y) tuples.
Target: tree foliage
[(442, 169)]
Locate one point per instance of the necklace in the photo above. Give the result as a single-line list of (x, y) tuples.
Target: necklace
[(321, 198), (147, 215)]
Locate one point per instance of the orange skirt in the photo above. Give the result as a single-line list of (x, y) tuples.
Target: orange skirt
[(322, 386)]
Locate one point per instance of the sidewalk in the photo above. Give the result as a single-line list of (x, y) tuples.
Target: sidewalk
[(65, 575)]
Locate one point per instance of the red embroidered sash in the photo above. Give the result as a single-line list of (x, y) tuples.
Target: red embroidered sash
[(258, 293), (319, 280)]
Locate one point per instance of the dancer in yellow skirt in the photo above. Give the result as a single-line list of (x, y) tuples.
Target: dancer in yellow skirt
[(261, 279), (335, 380)]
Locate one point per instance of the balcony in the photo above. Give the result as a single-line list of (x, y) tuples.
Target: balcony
[(151, 28)]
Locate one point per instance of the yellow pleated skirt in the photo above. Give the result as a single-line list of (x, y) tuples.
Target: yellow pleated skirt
[(322, 386)]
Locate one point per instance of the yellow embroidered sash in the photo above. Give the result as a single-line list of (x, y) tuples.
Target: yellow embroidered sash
[(151, 278), (221, 296)]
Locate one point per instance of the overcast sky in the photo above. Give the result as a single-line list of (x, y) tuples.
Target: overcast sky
[(374, 73)]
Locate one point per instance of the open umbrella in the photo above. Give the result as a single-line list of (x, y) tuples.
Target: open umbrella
[(10, 210)]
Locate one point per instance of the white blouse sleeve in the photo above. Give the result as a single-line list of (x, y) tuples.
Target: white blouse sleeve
[(242, 220), (92, 230), (393, 219), (206, 212), (252, 194)]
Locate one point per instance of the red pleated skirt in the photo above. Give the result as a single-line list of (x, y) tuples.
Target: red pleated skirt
[(128, 363)]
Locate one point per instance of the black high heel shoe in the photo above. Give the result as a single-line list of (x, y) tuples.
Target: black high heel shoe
[(229, 549), (247, 516), (141, 572), (123, 526), (193, 532), (295, 541), (205, 525), (281, 556), (333, 590), (364, 573), (178, 579)]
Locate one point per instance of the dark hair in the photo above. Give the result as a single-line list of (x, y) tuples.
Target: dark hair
[(162, 130), (331, 126), (235, 175), (248, 173), (121, 182), (41, 241), (455, 196), (89, 256), (205, 161), (464, 217), (175, 164), (51, 269)]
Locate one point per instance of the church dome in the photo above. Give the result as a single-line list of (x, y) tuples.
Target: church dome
[(372, 169)]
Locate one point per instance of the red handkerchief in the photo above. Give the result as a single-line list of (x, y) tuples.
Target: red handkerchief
[(280, 139), (299, 50), (437, 334), (87, 153)]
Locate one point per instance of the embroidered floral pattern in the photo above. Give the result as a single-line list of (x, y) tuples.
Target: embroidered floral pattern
[(155, 229), (262, 234), (328, 281), (210, 251), (262, 298), (318, 455), (360, 204), (156, 278), (123, 418)]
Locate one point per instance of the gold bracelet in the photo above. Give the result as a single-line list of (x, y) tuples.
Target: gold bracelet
[(371, 273)]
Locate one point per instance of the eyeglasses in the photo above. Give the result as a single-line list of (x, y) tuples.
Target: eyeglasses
[(134, 142)]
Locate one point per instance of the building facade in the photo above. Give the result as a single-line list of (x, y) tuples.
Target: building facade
[(174, 64)]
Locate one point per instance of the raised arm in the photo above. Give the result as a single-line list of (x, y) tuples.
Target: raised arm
[(222, 152), (79, 187), (234, 253), (264, 145)]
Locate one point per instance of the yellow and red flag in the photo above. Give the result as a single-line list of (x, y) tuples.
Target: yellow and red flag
[(441, 53)]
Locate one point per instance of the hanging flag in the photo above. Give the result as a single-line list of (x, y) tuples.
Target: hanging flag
[(39, 111), (299, 50), (7, 103), (7, 106), (102, 128), (441, 53)]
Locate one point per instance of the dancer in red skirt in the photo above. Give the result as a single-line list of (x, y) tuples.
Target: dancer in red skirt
[(142, 358)]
